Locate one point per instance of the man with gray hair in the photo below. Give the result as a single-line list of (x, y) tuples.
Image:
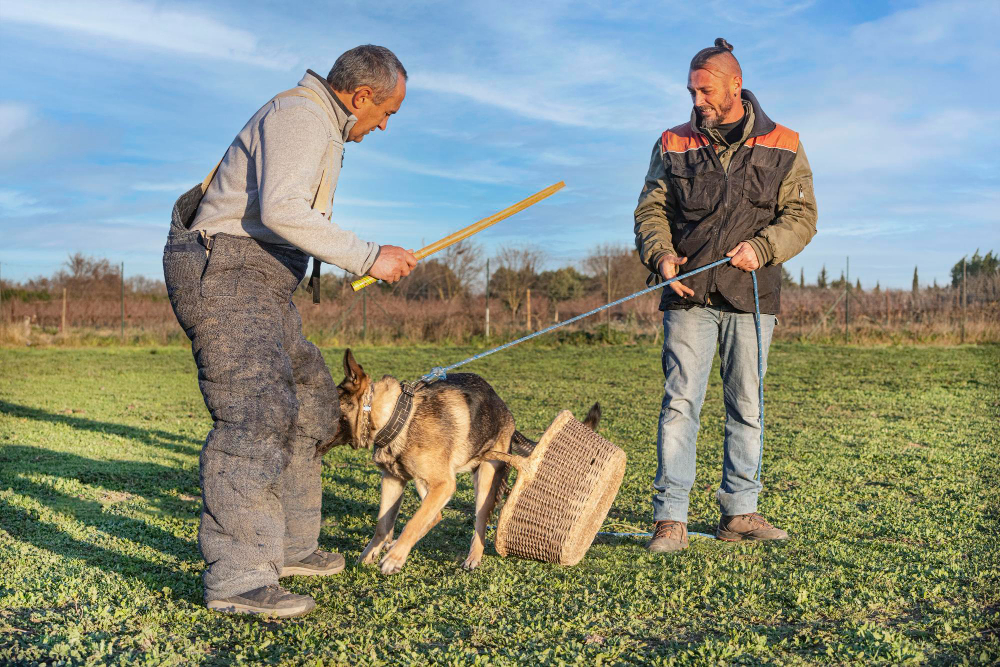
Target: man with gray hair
[(238, 247)]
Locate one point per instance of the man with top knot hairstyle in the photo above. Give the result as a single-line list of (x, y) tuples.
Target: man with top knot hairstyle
[(728, 183)]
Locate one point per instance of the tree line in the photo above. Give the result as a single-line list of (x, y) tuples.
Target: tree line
[(609, 271)]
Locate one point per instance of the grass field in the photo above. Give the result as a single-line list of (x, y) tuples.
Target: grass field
[(880, 462)]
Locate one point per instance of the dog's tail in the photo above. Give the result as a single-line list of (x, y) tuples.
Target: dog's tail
[(520, 445), (593, 417)]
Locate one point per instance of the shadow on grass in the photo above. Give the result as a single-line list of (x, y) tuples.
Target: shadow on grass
[(158, 484), (146, 436)]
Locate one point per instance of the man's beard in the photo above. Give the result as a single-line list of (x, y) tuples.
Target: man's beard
[(718, 114)]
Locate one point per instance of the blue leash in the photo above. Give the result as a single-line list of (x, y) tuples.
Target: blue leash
[(439, 373), (760, 372)]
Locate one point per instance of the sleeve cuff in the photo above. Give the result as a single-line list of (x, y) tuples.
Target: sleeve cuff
[(654, 262), (372, 258), (762, 249)]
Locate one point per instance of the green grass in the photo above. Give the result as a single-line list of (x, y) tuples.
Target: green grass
[(880, 462)]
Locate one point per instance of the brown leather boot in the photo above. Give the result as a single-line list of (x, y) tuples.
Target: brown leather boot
[(750, 526), (669, 536)]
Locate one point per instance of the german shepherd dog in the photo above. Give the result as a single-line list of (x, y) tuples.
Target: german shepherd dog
[(453, 425)]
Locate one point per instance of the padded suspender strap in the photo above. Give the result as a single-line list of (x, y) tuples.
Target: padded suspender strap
[(322, 196)]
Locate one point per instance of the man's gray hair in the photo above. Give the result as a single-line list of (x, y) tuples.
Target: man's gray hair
[(367, 65)]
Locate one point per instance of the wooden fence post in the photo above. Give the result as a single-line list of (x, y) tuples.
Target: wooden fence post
[(847, 302), (607, 313), (528, 308), (965, 299), (62, 325)]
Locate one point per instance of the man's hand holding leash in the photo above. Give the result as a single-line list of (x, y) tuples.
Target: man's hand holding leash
[(744, 257)]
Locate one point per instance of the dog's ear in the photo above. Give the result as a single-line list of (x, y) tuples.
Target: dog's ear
[(353, 372)]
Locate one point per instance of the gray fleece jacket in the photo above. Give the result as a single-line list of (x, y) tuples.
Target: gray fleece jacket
[(271, 173)]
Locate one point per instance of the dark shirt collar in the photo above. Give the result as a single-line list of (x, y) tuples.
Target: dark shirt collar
[(333, 96)]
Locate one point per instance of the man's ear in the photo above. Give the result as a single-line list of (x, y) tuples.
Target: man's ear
[(362, 96), (353, 372)]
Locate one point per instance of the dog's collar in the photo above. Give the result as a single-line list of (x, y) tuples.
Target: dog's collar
[(400, 413)]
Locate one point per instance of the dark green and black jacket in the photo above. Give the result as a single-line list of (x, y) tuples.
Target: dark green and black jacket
[(702, 197)]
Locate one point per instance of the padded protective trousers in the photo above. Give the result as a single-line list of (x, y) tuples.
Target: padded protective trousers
[(272, 400)]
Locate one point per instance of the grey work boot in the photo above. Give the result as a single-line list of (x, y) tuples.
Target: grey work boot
[(750, 526), (270, 600), (317, 563), (669, 536)]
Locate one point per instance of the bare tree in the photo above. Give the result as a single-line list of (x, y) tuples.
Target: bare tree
[(517, 272), (627, 273), (431, 278), (465, 263)]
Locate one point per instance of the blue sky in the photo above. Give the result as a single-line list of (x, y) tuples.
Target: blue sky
[(109, 109)]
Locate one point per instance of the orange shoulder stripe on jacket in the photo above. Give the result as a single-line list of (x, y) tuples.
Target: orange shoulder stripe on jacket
[(681, 139), (780, 137)]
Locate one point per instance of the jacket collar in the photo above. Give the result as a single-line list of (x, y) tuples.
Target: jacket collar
[(762, 124), (344, 118)]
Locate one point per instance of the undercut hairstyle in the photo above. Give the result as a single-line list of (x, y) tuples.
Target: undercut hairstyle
[(367, 65), (723, 52)]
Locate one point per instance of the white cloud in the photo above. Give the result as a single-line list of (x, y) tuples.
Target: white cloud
[(17, 204), (516, 99), (178, 187), (482, 171), (374, 203), (14, 117), (541, 67), (935, 31), (757, 13), (561, 159), (147, 25)]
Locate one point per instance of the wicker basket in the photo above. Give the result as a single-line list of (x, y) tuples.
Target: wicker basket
[(563, 491)]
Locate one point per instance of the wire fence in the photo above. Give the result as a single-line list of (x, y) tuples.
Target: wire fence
[(114, 309)]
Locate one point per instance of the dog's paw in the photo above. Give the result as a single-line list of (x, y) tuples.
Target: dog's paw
[(371, 553), (472, 562), (392, 562)]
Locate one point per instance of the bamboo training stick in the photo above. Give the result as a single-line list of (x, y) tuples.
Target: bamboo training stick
[(465, 233)]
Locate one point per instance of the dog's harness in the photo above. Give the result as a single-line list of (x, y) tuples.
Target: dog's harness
[(400, 413)]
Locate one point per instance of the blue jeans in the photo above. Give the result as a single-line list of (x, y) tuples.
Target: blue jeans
[(689, 342)]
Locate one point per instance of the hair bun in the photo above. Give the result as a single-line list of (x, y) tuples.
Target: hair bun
[(723, 44)]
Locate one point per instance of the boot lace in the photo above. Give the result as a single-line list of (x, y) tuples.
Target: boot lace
[(667, 529), (757, 520)]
